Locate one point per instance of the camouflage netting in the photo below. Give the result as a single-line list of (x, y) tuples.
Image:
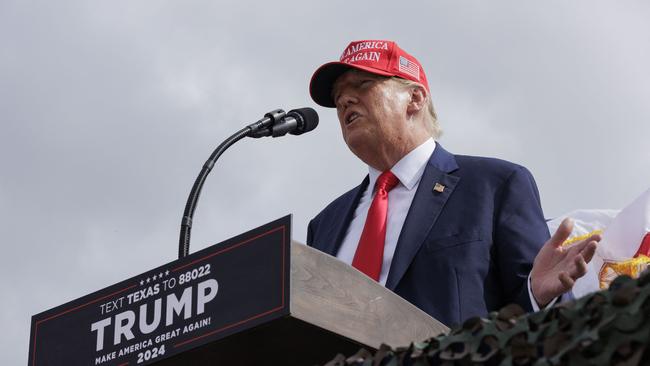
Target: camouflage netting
[(611, 327)]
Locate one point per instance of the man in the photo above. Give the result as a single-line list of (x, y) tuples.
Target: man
[(454, 235)]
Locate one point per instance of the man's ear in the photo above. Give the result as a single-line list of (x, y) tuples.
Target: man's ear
[(418, 100)]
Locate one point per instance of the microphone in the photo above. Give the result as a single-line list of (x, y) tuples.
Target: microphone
[(295, 122)]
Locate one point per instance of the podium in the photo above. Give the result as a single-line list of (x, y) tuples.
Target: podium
[(258, 298)]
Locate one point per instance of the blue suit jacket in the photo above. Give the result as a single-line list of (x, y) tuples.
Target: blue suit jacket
[(462, 252)]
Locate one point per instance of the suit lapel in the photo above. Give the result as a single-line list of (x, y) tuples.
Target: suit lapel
[(334, 238), (435, 187)]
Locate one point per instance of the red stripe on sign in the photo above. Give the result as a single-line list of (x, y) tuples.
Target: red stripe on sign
[(227, 249), (644, 248), (282, 269)]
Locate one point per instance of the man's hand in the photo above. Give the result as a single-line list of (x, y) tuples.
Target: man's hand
[(556, 269)]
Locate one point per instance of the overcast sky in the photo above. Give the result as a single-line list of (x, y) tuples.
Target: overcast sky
[(108, 110)]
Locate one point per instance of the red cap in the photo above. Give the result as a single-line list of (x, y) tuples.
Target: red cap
[(374, 56)]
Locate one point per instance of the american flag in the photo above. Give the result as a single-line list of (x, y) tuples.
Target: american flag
[(408, 67)]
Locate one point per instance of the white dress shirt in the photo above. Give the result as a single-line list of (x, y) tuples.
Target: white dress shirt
[(409, 171)]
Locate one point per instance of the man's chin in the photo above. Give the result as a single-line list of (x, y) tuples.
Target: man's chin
[(356, 140), (360, 145)]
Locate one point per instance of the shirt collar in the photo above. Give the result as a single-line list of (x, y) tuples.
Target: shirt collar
[(410, 168)]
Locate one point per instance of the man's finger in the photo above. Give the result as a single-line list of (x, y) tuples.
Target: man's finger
[(581, 267), (588, 252), (566, 281), (562, 233)]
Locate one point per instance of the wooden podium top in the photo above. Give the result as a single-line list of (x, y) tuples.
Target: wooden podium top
[(337, 297)]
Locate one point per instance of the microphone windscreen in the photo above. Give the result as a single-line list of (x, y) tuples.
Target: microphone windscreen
[(309, 119)]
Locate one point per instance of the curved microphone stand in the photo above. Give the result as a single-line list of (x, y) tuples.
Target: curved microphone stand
[(252, 129)]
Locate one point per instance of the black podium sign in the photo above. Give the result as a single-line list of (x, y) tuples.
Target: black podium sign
[(206, 296)]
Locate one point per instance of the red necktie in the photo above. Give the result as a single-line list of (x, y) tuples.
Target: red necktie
[(370, 252)]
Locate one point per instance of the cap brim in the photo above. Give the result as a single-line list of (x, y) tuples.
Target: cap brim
[(322, 82)]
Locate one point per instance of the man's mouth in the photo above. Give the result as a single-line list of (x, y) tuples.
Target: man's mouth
[(351, 117)]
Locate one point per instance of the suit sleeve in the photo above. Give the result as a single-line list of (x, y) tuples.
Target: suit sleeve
[(310, 233), (520, 231)]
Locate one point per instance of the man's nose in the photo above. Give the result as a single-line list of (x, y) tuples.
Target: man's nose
[(346, 99)]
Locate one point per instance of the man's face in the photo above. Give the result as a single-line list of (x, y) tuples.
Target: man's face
[(372, 111)]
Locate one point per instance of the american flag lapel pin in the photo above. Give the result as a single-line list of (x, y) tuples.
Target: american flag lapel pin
[(438, 188)]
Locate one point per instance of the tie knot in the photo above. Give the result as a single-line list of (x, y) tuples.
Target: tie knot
[(387, 181)]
